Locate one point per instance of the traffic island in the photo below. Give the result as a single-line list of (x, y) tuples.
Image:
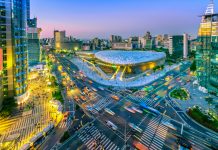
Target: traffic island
[(204, 118), (180, 94)]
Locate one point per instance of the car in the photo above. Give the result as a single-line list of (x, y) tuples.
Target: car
[(101, 88), (83, 98), (115, 97), (94, 90), (139, 146), (111, 125)]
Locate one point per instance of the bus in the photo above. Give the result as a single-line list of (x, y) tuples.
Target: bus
[(37, 139), (169, 125), (26, 147), (129, 109), (112, 125), (109, 111), (137, 110), (48, 129), (144, 106), (136, 128)]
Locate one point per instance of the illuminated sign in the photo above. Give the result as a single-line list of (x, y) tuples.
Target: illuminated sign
[(1, 59)]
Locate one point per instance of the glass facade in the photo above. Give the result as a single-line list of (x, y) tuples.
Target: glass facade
[(14, 44), (34, 50), (207, 52)]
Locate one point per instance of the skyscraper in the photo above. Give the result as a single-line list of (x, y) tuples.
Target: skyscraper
[(115, 38), (1, 85), (28, 9), (176, 46), (34, 50), (14, 45), (185, 45), (59, 37), (207, 50)]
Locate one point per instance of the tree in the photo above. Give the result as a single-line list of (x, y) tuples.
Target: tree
[(209, 101), (9, 104), (65, 137), (193, 66)]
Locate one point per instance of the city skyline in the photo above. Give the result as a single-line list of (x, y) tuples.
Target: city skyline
[(112, 75), (129, 18)]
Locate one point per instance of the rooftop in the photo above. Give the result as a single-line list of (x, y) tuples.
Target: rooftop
[(121, 57)]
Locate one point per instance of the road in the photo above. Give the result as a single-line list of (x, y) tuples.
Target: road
[(151, 125)]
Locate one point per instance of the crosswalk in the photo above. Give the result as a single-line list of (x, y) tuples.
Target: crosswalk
[(155, 134), (26, 126), (93, 139), (147, 101), (65, 124), (101, 104)]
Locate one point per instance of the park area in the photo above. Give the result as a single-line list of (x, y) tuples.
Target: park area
[(180, 93), (206, 119)]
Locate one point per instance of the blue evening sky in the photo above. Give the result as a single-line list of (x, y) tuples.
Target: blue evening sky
[(101, 18)]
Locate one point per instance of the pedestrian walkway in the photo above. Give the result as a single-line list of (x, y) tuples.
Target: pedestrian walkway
[(155, 134), (147, 101), (65, 124), (101, 104), (93, 139)]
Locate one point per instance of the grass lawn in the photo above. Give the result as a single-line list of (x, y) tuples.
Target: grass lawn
[(203, 119), (180, 94), (57, 96)]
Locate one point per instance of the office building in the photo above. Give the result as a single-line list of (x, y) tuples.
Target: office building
[(115, 38), (28, 9), (14, 45), (34, 50), (136, 43), (149, 41), (59, 38), (62, 42), (1, 73), (207, 50), (176, 46), (122, 46), (159, 41), (185, 46)]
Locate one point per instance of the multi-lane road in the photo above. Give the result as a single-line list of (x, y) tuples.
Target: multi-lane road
[(155, 135)]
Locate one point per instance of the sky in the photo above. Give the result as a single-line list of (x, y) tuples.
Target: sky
[(86, 19)]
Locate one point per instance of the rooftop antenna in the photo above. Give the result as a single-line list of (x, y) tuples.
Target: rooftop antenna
[(210, 8)]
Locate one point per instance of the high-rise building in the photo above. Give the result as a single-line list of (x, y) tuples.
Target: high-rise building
[(14, 45), (59, 37), (176, 46), (207, 50), (34, 50), (136, 42), (149, 41), (185, 45), (1, 69), (115, 38), (28, 9)]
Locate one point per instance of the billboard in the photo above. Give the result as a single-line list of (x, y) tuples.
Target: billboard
[(1, 59)]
